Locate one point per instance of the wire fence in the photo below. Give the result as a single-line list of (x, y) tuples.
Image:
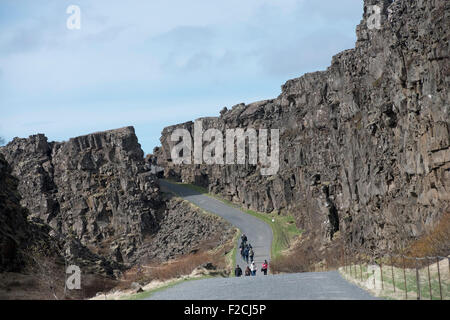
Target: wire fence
[(401, 277)]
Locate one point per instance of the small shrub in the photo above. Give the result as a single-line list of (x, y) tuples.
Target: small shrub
[(435, 242)]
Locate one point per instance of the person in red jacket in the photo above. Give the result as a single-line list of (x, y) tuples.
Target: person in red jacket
[(264, 268)]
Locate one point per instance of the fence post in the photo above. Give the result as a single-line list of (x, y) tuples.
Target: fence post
[(417, 280), (392, 270), (65, 278), (360, 270), (429, 280), (345, 263), (381, 272), (373, 274), (367, 272), (104, 287), (350, 266), (404, 276), (439, 277)]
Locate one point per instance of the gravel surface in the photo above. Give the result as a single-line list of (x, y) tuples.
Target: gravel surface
[(296, 286), (258, 232), (293, 286)]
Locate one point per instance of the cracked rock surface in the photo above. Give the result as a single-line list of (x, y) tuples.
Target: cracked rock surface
[(364, 145)]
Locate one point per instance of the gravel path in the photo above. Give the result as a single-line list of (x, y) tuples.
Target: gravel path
[(296, 286), (293, 286), (258, 232)]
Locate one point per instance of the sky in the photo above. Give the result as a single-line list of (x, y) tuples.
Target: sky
[(155, 63)]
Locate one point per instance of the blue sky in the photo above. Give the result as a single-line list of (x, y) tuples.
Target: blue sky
[(155, 63)]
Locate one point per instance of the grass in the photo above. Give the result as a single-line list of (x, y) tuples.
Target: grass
[(371, 280), (283, 226), (231, 256), (181, 269), (435, 242)]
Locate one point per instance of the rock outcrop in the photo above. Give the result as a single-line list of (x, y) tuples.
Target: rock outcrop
[(26, 240), (185, 229), (97, 202), (14, 229), (364, 145), (95, 188)]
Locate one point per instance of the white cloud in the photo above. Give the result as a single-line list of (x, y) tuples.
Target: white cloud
[(177, 56)]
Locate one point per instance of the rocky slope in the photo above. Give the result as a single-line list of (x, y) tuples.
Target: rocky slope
[(25, 241), (14, 229), (98, 200), (185, 229), (93, 187), (364, 145)]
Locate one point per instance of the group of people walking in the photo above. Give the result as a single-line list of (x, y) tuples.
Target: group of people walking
[(247, 254)]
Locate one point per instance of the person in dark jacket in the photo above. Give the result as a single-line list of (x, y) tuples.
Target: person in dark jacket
[(246, 254), (241, 249), (238, 271), (248, 272), (251, 254)]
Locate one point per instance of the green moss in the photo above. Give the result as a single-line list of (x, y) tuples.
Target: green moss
[(231, 256), (283, 227)]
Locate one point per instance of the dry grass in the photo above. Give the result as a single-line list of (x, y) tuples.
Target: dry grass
[(402, 283), (163, 271), (44, 279), (180, 266), (308, 254), (435, 242)]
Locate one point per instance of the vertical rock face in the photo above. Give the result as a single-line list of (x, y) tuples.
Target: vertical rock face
[(364, 145), (95, 188), (13, 221), (97, 198), (23, 240)]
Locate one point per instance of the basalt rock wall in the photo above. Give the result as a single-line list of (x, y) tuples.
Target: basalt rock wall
[(25, 240), (364, 145), (95, 188), (96, 199)]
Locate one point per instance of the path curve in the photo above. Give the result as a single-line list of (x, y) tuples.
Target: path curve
[(259, 233), (294, 286)]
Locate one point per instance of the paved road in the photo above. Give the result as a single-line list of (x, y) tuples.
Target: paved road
[(297, 286), (293, 286), (258, 232)]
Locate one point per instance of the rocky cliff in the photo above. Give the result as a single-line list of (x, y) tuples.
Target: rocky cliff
[(364, 145), (26, 243), (93, 187), (98, 199), (14, 229)]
